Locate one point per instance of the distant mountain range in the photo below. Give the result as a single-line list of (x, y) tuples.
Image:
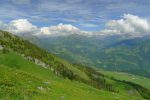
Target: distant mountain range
[(115, 53)]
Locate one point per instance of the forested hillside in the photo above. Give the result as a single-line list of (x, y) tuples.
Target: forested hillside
[(28, 71), (132, 56)]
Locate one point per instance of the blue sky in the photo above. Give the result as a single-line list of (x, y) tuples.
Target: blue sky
[(89, 15)]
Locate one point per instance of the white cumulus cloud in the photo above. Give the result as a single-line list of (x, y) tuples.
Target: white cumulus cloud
[(20, 26), (23, 26), (60, 30), (64, 27), (129, 24)]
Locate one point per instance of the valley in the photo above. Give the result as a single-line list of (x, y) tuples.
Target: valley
[(42, 75)]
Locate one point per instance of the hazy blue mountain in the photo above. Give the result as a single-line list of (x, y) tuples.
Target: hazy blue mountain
[(115, 53)]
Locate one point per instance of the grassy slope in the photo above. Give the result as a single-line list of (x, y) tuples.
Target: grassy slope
[(61, 87), (25, 82), (26, 48), (143, 81)]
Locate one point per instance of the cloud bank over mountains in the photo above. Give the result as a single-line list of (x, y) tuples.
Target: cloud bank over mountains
[(23, 26), (128, 24), (60, 29)]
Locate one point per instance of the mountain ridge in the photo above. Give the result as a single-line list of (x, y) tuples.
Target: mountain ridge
[(92, 51), (19, 54)]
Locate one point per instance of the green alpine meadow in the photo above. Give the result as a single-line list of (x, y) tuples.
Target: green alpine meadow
[(29, 72), (74, 50)]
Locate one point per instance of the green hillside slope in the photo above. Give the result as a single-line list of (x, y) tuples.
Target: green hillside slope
[(37, 83), (143, 81), (42, 75)]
